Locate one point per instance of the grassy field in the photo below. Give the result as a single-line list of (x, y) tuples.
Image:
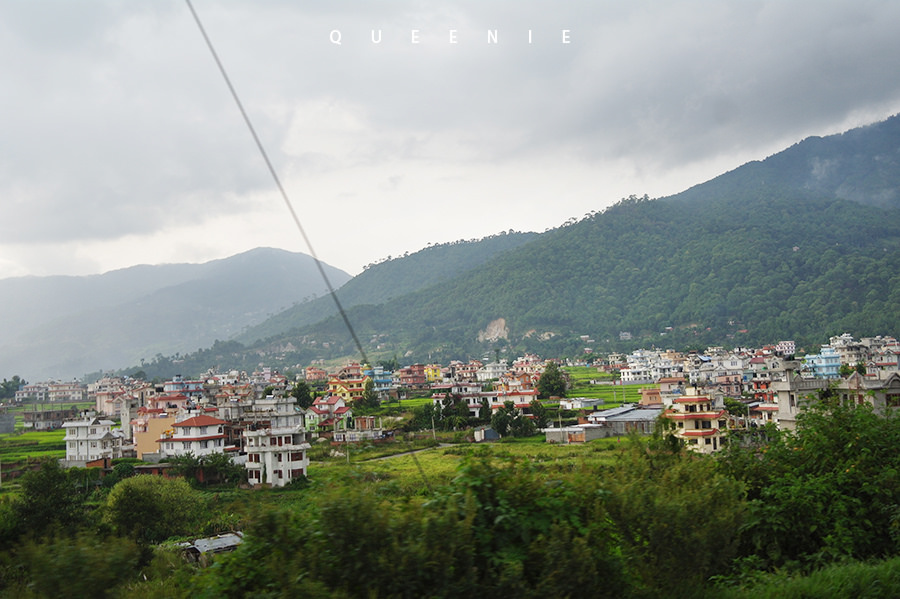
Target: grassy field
[(33, 444), (413, 474), (580, 378)]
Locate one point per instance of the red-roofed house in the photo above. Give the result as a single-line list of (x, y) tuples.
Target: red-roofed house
[(327, 410), (199, 435), (697, 423), (349, 389)]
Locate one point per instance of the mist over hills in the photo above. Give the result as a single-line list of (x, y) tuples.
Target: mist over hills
[(801, 245), (63, 327), (393, 278)]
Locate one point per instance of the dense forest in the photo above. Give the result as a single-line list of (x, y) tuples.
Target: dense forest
[(778, 514), (746, 270), (802, 245)]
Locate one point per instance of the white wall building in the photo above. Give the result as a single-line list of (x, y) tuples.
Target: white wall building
[(198, 435), (92, 439), (276, 442)]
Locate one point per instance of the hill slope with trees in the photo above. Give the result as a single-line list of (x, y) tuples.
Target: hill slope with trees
[(753, 256)]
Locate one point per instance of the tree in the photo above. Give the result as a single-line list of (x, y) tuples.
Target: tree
[(369, 399), (302, 394), (825, 491), (51, 496), (150, 509), (8, 388), (552, 382), (501, 420), (484, 412), (539, 412)]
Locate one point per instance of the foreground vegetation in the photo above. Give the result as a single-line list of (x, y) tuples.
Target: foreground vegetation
[(778, 514)]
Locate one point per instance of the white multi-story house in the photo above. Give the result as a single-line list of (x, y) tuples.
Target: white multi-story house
[(197, 435), (92, 439), (275, 442), (491, 371), (697, 422)]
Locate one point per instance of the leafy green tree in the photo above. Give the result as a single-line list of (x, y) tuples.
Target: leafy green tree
[(552, 382), (501, 420), (150, 509), (484, 412), (389, 365), (522, 426), (302, 393), (51, 497), (120, 471), (539, 412), (220, 468), (8, 388), (824, 492), (139, 375), (369, 399)]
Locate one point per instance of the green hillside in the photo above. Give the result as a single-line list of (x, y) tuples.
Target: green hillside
[(393, 278), (744, 270), (756, 255)]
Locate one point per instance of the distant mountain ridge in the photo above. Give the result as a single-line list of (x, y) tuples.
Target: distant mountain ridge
[(66, 326), (803, 245), (860, 165), (393, 278)]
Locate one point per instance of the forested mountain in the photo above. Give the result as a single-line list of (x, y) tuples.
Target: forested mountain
[(802, 245), (861, 165), (393, 278), (65, 326), (766, 252)]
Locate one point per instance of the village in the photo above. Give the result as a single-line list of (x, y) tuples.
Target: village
[(256, 421)]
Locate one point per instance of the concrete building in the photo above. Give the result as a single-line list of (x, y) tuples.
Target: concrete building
[(92, 439), (276, 443)]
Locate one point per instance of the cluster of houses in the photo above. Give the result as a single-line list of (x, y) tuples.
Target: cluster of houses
[(253, 418), (767, 385)]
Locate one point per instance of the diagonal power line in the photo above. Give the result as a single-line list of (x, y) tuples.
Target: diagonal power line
[(284, 196)]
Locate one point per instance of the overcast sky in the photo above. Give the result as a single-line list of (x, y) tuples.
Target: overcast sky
[(120, 144)]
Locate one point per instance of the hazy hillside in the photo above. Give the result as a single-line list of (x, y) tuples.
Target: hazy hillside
[(861, 165), (81, 324), (766, 252), (762, 253), (393, 278)]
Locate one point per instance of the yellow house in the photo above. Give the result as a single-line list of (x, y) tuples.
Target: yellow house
[(348, 389), (433, 373)]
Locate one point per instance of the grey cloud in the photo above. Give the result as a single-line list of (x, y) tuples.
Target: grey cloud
[(122, 124)]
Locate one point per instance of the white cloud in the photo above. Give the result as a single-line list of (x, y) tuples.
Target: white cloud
[(124, 146)]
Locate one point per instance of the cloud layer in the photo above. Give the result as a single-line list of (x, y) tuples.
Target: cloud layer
[(120, 143)]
